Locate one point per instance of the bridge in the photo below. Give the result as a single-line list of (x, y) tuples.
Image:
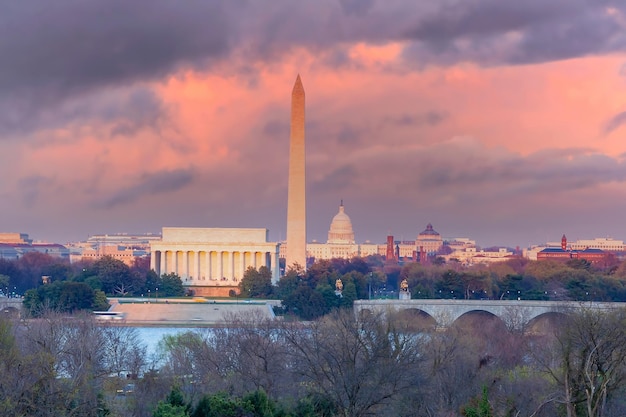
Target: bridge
[(10, 307), (516, 314)]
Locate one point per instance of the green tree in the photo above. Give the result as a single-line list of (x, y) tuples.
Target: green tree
[(4, 281), (171, 285), (64, 296), (306, 303), (478, 407), (115, 276), (165, 409), (256, 284), (217, 405), (173, 406)]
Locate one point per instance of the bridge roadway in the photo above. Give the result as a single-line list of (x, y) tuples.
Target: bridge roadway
[(514, 313)]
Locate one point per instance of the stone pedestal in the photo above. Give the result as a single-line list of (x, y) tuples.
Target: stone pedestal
[(338, 293), (405, 295)]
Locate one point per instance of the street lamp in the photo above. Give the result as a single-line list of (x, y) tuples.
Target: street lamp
[(148, 296), (370, 286), (156, 298)]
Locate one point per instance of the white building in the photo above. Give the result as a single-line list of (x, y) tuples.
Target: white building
[(471, 256), (340, 243), (212, 261), (604, 243)]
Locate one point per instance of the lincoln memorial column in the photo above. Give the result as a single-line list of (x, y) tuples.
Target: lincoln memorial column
[(186, 263), (276, 266), (208, 265), (174, 268), (220, 265), (162, 269), (198, 264), (153, 261), (231, 265)]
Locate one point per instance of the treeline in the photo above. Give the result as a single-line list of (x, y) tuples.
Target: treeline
[(341, 365), (310, 294), (82, 285)]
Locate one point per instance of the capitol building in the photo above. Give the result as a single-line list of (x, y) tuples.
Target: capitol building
[(341, 243)]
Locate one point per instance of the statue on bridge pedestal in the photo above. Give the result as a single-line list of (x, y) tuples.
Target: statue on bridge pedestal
[(338, 287), (405, 294)]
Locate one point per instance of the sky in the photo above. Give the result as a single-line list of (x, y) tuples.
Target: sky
[(498, 120)]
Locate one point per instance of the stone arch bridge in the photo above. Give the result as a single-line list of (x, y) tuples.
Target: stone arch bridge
[(514, 313), (10, 307)]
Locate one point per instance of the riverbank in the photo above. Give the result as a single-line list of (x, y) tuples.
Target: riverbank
[(172, 313)]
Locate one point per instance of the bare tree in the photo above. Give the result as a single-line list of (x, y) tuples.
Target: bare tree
[(587, 361), (361, 364), (256, 355)]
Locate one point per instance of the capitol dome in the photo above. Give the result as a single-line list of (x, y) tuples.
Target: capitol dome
[(341, 228)]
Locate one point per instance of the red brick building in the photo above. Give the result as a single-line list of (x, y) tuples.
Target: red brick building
[(563, 253)]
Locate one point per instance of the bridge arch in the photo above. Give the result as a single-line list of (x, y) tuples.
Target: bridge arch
[(516, 314), (543, 323), (415, 319)]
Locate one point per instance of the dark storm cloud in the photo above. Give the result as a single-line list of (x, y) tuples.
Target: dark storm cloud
[(510, 174), (430, 118), (52, 51), (356, 7), (340, 179), (615, 122), (512, 32), (150, 184), (128, 110), (276, 128), (55, 48)]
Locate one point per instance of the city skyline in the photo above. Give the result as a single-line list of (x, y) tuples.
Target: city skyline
[(500, 122)]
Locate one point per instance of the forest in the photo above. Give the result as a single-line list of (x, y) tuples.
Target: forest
[(317, 358), (309, 294), (339, 365)]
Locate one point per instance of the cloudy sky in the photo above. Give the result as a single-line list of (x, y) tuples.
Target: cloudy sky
[(499, 120)]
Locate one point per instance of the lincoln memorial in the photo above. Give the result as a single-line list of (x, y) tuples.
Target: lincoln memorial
[(212, 261)]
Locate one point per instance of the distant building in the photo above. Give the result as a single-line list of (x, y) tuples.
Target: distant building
[(340, 243), (121, 246), (15, 245), (564, 252), (15, 238), (430, 240), (472, 256), (602, 243), (121, 253), (212, 261)]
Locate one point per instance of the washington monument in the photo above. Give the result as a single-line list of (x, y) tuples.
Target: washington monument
[(296, 199)]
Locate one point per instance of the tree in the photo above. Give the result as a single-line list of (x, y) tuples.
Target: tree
[(171, 285), (173, 406), (361, 365), (64, 296), (478, 407), (4, 281), (256, 284), (254, 355), (115, 276), (588, 360), (306, 303)]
